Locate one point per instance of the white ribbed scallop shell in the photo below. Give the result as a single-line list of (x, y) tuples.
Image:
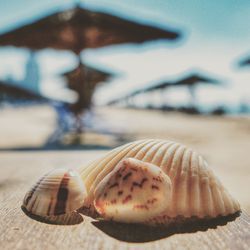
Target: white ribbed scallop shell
[(196, 191)]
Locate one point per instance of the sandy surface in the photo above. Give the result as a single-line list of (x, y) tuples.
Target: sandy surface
[(19, 170), (26, 126), (224, 141)]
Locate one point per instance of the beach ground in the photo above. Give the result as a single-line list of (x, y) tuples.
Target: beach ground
[(223, 141)]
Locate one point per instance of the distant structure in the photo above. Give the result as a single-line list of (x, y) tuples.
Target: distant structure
[(190, 79), (32, 77), (77, 29)]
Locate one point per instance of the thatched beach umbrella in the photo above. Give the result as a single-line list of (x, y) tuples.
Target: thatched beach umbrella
[(127, 98), (79, 28), (157, 86), (192, 80), (83, 80)]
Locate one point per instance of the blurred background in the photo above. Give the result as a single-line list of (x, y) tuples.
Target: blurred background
[(95, 74)]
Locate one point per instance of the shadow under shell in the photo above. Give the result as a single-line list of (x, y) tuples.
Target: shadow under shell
[(73, 218), (143, 233)]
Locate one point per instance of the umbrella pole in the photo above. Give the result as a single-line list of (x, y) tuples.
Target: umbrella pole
[(191, 89), (163, 96), (84, 98), (81, 82), (76, 108)]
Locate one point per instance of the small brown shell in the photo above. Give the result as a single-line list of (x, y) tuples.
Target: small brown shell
[(58, 192), (196, 191)]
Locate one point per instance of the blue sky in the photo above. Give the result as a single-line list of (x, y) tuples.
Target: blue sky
[(216, 34)]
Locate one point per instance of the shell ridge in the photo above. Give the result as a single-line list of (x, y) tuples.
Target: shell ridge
[(39, 205), (33, 203), (217, 198), (227, 199), (228, 203), (85, 170), (148, 157), (167, 146), (196, 184), (189, 184), (202, 175), (235, 202), (166, 163), (210, 178), (167, 168), (176, 163), (189, 175), (35, 206), (202, 187), (181, 190), (174, 175), (171, 158), (158, 155), (142, 152)]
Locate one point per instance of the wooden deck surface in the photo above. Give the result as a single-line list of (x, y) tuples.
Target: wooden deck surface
[(18, 171)]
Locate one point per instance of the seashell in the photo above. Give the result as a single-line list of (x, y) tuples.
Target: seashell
[(196, 191), (133, 192), (58, 192), (188, 186)]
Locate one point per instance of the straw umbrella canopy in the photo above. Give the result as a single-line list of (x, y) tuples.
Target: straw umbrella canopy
[(158, 86), (192, 80), (154, 87), (10, 92), (79, 28), (83, 80)]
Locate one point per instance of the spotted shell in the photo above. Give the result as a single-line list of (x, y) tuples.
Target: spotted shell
[(195, 190), (58, 192), (135, 191)]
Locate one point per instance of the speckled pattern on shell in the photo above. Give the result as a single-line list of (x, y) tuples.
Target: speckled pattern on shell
[(135, 191)]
